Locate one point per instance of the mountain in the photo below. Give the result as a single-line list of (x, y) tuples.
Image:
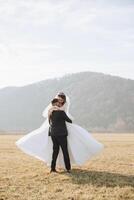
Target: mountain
[(99, 102)]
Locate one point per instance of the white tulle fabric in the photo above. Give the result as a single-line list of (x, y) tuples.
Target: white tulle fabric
[(81, 144)]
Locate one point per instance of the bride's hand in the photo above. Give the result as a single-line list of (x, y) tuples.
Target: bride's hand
[(52, 109)]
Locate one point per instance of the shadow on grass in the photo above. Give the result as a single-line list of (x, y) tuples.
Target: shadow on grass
[(99, 179)]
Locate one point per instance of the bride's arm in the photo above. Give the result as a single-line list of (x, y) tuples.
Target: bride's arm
[(64, 108), (51, 110)]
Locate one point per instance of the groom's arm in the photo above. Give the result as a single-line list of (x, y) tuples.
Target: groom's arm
[(66, 118)]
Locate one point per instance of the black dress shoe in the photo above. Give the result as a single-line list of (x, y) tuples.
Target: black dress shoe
[(53, 170), (68, 171)]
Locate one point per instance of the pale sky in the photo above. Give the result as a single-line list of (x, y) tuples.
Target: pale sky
[(42, 39)]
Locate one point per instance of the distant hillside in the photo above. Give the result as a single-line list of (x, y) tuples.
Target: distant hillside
[(99, 102)]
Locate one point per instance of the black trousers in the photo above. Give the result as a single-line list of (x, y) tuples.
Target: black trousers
[(60, 141)]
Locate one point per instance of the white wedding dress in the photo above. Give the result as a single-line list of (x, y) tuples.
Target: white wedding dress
[(81, 144)]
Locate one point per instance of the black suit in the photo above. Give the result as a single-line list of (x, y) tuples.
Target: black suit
[(58, 132)]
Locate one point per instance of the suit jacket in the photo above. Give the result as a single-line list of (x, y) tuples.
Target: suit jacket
[(57, 123)]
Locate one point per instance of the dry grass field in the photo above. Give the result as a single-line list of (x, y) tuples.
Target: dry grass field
[(108, 176)]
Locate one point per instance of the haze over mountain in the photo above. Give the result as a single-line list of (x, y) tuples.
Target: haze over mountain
[(99, 102)]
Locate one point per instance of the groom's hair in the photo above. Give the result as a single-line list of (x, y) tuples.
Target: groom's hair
[(55, 100)]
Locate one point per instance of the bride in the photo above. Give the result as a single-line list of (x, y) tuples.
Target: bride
[(81, 144)]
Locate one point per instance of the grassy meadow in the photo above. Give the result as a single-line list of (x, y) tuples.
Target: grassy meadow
[(108, 176)]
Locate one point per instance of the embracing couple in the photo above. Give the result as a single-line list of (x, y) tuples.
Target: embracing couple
[(58, 142), (58, 131)]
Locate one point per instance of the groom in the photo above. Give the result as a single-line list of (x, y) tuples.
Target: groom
[(58, 132)]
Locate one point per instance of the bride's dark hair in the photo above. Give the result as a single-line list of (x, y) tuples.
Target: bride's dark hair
[(63, 96)]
